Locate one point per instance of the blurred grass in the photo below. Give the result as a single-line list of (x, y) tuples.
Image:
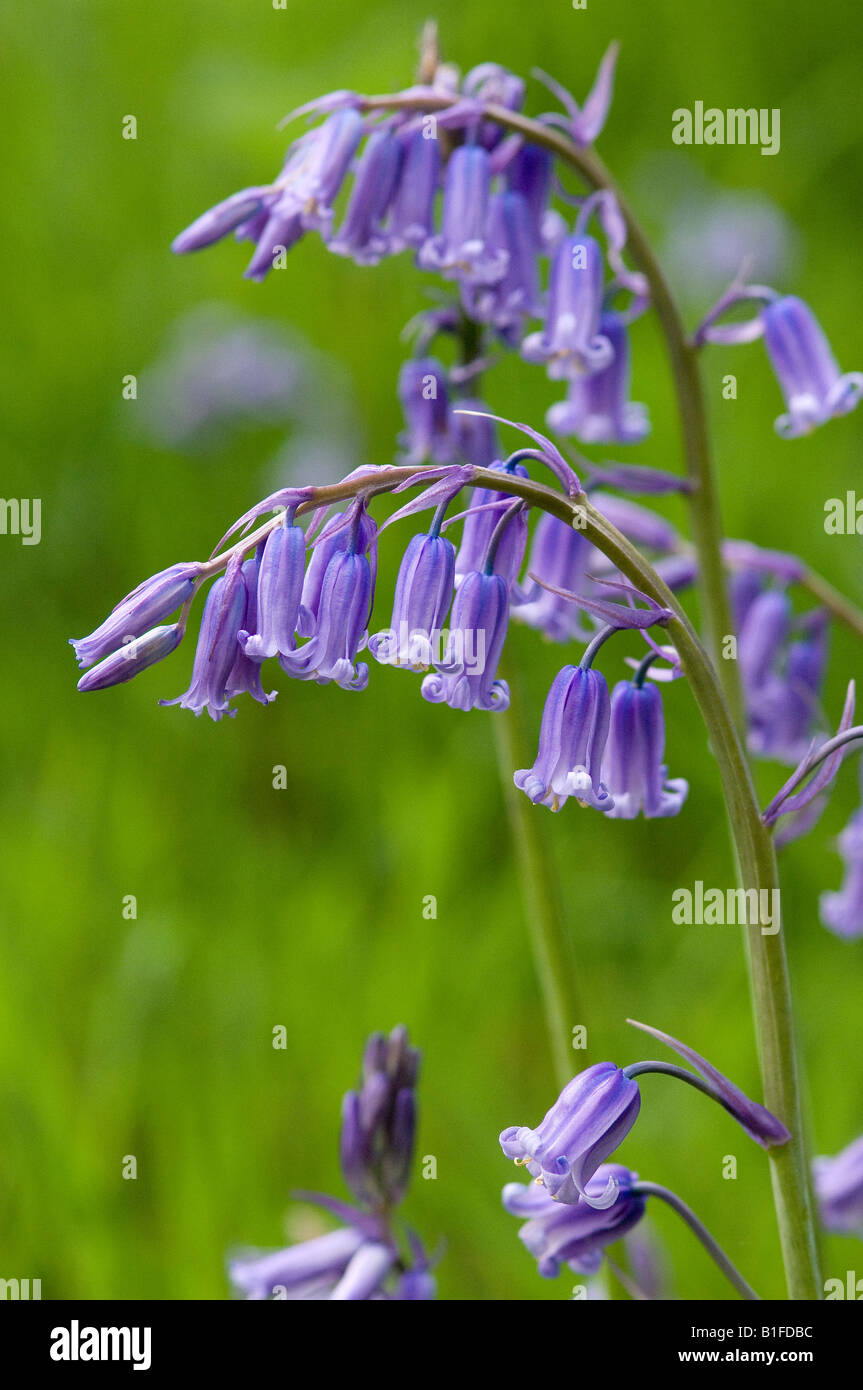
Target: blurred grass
[(303, 907)]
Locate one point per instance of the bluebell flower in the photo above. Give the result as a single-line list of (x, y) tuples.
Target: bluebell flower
[(460, 251), (424, 591), (813, 386), (133, 657), (142, 609), (310, 1270), (557, 1233), (300, 200), (411, 214), (839, 1189), (842, 912), (571, 743), (341, 628), (379, 1122), (598, 409), (245, 674), (217, 647), (270, 628), (633, 767), (571, 341), (424, 397), (465, 677), (335, 538), (531, 172), (558, 557), (515, 296), (361, 235), (590, 1118)]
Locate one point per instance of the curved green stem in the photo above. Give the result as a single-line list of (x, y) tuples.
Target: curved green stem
[(714, 1250)]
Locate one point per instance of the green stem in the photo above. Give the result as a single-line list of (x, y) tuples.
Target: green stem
[(542, 901)]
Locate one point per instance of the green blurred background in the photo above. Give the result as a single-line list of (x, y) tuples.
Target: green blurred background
[(303, 907)]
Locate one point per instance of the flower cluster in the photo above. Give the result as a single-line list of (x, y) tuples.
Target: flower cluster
[(579, 1203), (362, 1259)]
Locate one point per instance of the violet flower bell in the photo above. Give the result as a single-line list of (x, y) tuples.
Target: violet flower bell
[(341, 628), (411, 214), (145, 607), (245, 674), (339, 533), (839, 1189), (842, 912), (531, 173), (461, 251), (557, 1233), (466, 676), (592, 1115), (424, 396), (597, 409), (515, 297), (270, 629), (632, 767), (424, 591), (571, 342), (310, 1270), (572, 739), (276, 216), (217, 647), (814, 388), (361, 235), (132, 658)]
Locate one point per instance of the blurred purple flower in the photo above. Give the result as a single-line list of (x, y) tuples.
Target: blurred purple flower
[(839, 1189), (556, 1233), (597, 408)]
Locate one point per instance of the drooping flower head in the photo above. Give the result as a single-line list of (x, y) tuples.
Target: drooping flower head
[(558, 1233), (145, 607), (515, 296), (341, 608), (842, 912), (361, 235), (411, 214), (245, 674), (814, 388), (571, 341), (271, 628), (461, 250), (424, 591), (839, 1189), (598, 409), (571, 743), (217, 648), (424, 396), (633, 767), (466, 676), (590, 1118)]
